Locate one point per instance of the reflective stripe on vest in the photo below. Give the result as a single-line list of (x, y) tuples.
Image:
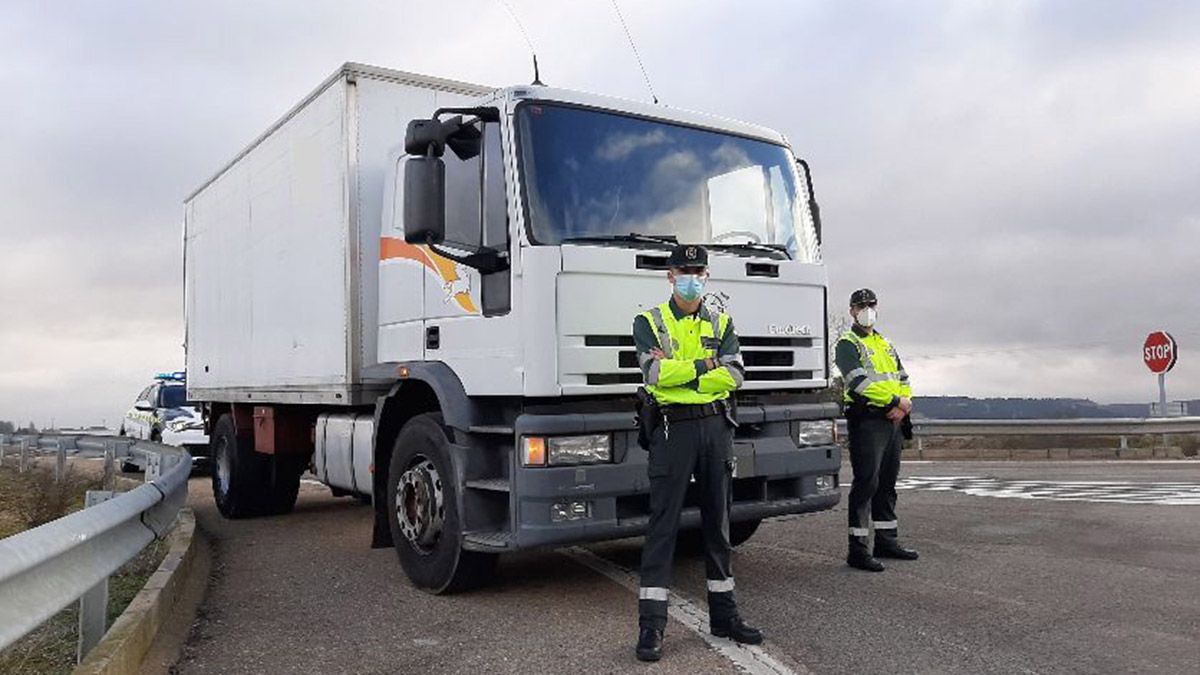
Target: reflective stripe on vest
[(660, 328)]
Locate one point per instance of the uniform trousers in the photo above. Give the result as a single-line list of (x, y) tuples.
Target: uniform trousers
[(875, 444), (700, 447)]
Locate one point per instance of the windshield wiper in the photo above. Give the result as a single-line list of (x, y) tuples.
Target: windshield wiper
[(669, 240), (747, 246)]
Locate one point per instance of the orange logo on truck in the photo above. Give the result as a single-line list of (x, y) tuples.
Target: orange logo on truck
[(455, 283)]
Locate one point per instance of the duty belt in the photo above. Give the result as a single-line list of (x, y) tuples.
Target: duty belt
[(681, 412), (859, 409)]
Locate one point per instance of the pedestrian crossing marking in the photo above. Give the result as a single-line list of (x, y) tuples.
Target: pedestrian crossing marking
[(1100, 492)]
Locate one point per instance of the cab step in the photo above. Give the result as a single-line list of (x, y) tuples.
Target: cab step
[(488, 541), (490, 484), (491, 429)]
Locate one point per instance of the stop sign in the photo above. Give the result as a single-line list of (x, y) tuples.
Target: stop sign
[(1160, 352)]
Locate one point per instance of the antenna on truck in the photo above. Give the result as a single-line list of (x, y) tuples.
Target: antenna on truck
[(537, 78), (635, 52)]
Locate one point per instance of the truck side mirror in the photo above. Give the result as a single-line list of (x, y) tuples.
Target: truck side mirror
[(424, 200)]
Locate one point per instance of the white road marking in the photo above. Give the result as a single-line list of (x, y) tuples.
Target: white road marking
[(1098, 491), (746, 658)]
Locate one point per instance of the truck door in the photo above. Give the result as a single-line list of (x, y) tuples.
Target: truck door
[(402, 271), (466, 311)]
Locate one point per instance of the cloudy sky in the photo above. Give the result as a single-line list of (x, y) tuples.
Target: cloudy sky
[(1019, 181)]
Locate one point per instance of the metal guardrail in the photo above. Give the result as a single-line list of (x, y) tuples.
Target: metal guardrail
[(1123, 426), (1115, 426), (45, 569)]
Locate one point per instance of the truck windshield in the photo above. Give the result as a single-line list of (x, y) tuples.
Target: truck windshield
[(593, 175)]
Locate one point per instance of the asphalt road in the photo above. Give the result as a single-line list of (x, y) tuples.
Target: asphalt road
[(1073, 567)]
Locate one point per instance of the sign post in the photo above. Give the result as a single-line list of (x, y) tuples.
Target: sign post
[(1160, 353)]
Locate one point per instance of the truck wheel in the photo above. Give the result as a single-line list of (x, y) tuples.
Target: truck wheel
[(239, 475), (285, 484), (422, 508), (742, 530)]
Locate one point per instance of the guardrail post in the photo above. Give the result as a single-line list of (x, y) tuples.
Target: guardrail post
[(153, 466), (60, 461), (110, 464), (1124, 442), (93, 605)]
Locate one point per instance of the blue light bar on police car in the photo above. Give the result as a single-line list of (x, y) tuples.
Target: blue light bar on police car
[(177, 376)]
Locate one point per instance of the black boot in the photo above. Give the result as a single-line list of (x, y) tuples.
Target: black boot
[(736, 630), (649, 646), (859, 556), (863, 561), (890, 549)]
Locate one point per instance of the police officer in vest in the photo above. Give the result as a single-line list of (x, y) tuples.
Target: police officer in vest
[(691, 362), (878, 401)]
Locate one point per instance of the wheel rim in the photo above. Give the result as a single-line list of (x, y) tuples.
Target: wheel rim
[(420, 505), (223, 466)]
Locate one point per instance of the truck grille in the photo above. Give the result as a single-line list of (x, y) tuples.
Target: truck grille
[(767, 359)]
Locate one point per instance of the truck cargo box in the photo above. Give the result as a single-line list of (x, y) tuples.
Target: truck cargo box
[(281, 247)]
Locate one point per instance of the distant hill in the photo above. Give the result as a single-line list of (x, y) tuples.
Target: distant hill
[(965, 407)]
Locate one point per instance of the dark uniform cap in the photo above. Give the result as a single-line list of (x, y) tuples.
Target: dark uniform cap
[(688, 255), (863, 296)]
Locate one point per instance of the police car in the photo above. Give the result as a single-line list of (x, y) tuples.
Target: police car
[(163, 414)]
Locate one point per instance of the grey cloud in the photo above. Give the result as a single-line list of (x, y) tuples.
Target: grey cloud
[(1015, 179)]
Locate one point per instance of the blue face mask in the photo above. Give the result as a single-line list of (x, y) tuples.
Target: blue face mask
[(689, 286)]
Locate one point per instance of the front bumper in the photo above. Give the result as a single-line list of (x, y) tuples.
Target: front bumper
[(773, 477)]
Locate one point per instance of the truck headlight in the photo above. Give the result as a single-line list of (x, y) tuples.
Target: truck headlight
[(818, 432), (566, 450)]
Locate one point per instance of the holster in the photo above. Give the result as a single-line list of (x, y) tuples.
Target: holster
[(906, 428), (649, 416)]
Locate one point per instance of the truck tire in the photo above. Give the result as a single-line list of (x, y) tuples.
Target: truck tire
[(239, 475), (422, 511), (742, 530), (285, 483)]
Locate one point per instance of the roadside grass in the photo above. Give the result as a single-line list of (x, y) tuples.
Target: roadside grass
[(31, 499)]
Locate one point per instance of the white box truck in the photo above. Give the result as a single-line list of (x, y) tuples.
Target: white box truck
[(424, 290)]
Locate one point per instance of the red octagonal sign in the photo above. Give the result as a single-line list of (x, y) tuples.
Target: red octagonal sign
[(1160, 352)]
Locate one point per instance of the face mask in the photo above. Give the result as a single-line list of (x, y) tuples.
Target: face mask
[(865, 317), (689, 286)]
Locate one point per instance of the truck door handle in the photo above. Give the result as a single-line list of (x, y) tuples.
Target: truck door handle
[(433, 337)]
